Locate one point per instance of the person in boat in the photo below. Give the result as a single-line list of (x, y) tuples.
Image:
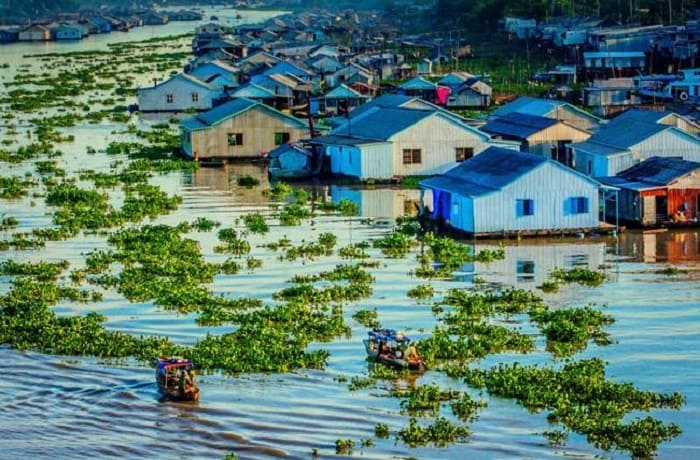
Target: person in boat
[(185, 383), (412, 354)]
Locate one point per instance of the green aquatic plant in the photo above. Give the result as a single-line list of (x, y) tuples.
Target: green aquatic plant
[(569, 330), (7, 222), (394, 245), (440, 433), (255, 223), (580, 275), (42, 271), (421, 292), (367, 318), (582, 399)]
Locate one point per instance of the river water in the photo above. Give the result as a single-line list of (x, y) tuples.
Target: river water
[(66, 407)]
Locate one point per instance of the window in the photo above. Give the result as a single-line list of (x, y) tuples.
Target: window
[(524, 207), (235, 138), (411, 156), (463, 153), (195, 97), (281, 138), (525, 270), (576, 205), (169, 98)]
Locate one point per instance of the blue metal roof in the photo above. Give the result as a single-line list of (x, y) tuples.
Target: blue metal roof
[(381, 124), (659, 170), (538, 107), (385, 100), (646, 116), (418, 83), (227, 110), (490, 170), (253, 91), (342, 92), (519, 125), (623, 134), (231, 109)]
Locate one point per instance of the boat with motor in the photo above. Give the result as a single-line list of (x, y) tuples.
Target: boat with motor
[(394, 349), (175, 379)]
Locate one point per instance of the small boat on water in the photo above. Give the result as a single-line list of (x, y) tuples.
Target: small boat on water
[(393, 349), (293, 161), (175, 379)]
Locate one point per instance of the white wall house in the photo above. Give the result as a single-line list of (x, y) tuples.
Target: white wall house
[(387, 142), (501, 190), (181, 92)]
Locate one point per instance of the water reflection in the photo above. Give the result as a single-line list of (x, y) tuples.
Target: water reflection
[(673, 246)]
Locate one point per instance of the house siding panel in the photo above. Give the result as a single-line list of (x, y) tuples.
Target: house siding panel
[(437, 138), (497, 212), (375, 161)]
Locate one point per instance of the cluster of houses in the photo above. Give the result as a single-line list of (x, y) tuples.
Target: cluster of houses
[(622, 65), (79, 25), (534, 165)]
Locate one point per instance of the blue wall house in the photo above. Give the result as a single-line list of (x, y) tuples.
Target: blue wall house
[(626, 141), (501, 190), (64, 32), (9, 35), (419, 87), (178, 93), (103, 26)]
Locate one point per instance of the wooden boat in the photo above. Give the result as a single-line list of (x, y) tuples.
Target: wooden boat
[(389, 347), (169, 372)]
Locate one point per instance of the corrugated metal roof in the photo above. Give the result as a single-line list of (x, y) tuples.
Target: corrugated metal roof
[(418, 83), (623, 134), (646, 116), (659, 170), (490, 170), (518, 125), (226, 110), (385, 100), (382, 123), (231, 109), (342, 91), (192, 124), (253, 91), (621, 182), (339, 139), (528, 105), (538, 107)]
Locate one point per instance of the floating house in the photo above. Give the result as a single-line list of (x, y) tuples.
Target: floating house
[(383, 143), (241, 128), (550, 108), (178, 93), (539, 135), (34, 33), (629, 139), (502, 191), (657, 191), (9, 35), (66, 32), (419, 87), (339, 100)]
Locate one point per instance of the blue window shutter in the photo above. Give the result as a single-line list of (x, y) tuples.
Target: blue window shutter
[(519, 205), (532, 207), (584, 204)]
